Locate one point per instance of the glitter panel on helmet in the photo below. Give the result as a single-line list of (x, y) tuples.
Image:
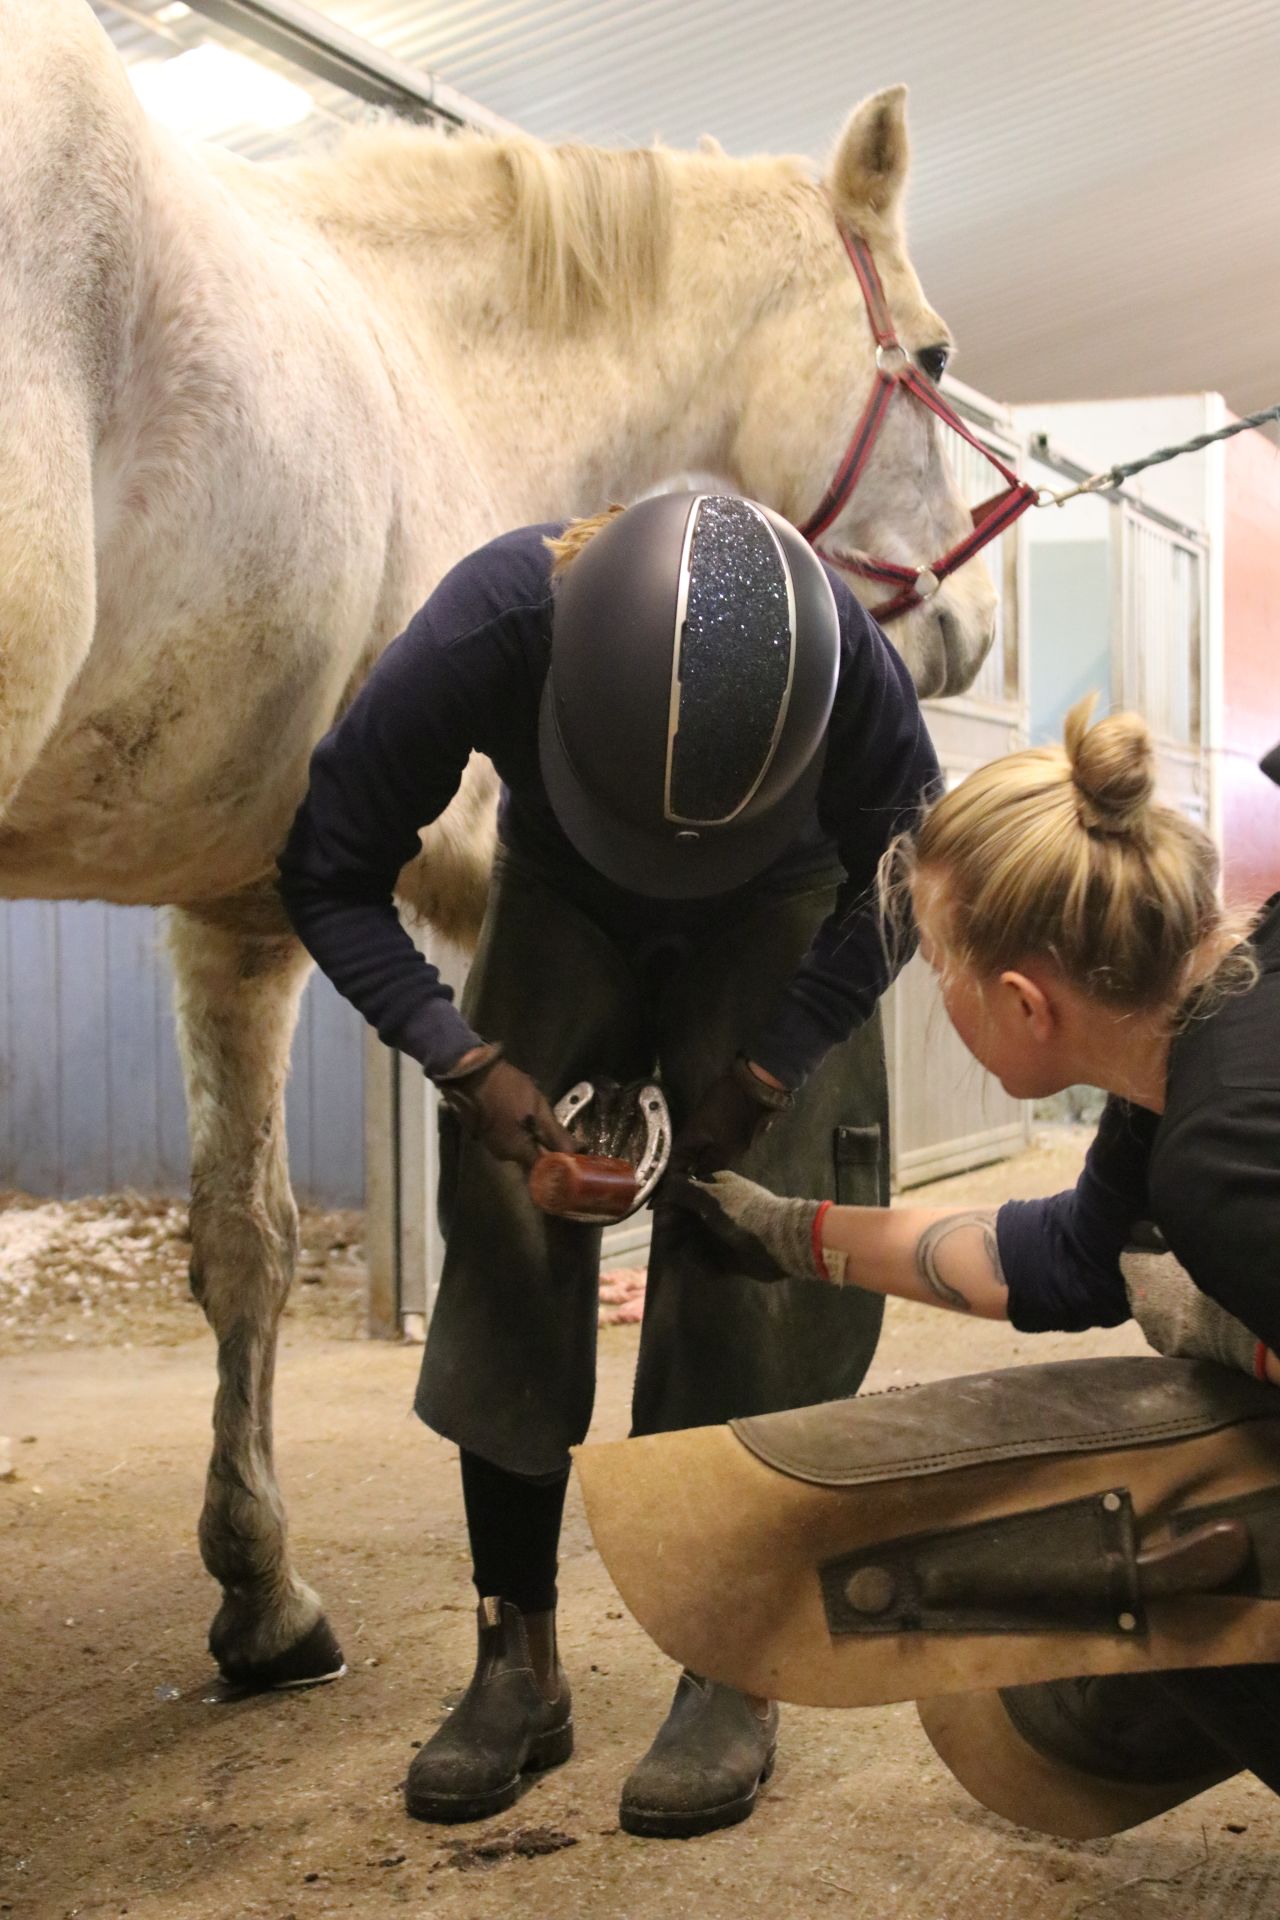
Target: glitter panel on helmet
[(735, 663)]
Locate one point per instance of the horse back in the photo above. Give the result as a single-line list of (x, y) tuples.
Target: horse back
[(202, 473)]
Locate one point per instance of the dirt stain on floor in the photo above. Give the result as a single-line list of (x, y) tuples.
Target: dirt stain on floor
[(519, 1843)]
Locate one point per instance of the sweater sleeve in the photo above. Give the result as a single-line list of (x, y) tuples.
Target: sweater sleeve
[(881, 768), (390, 767), (1061, 1256)]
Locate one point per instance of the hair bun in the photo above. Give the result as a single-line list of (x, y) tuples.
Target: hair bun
[(1112, 769)]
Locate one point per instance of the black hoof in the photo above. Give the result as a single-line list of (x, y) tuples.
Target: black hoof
[(311, 1661)]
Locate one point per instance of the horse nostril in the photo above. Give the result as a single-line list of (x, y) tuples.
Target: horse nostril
[(962, 652), (930, 662), (955, 655)]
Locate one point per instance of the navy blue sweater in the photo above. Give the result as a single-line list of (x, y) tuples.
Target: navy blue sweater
[(466, 676), (1206, 1171)]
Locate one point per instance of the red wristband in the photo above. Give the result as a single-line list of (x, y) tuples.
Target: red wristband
[(1260, 1360), (815, 1238)]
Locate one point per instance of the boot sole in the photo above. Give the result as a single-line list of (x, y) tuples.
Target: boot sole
[(667, 1823), (448, 1809)]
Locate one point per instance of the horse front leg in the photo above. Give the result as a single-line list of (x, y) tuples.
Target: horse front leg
[(239, 978)]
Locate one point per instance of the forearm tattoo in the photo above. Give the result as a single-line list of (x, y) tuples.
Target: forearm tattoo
[(929, 1247)]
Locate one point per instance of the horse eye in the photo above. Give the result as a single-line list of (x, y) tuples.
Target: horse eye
[(933, 361)]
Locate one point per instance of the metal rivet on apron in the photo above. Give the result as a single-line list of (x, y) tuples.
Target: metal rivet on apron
[(1127, 1623), (1111, 1501), (870, 1590)]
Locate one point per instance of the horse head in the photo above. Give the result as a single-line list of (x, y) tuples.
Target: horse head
[(811, 367)]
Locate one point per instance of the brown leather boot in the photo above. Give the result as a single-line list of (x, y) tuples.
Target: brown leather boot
[(515, 1718), (713, 1753)]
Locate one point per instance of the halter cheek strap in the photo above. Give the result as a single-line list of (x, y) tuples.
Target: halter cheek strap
[(895, 372)]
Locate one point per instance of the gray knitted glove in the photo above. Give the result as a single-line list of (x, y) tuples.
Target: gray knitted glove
[(1178, 1319), (771, 1236)]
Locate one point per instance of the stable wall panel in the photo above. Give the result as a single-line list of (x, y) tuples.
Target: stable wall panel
[(91, 1096)]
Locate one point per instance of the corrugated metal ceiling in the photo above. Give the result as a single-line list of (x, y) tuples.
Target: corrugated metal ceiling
[(1096, 187)]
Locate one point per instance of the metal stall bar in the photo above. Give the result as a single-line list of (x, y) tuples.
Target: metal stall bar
[(1159, 640), (1159, 630), (1042, 450), (329, 52)]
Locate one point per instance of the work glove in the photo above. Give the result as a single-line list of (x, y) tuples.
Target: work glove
[(1178, 1319), (766, 1235), (731, 1113), (504, 1110)]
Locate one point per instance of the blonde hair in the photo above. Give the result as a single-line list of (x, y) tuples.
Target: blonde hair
[(593, 228), (1062, 852), (565, 547)]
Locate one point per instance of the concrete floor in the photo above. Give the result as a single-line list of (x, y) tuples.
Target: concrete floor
[(127, 1789)]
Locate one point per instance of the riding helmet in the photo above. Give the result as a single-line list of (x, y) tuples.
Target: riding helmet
[(682, 732)]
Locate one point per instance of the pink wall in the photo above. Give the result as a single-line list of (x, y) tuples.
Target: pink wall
[(1251, 666)]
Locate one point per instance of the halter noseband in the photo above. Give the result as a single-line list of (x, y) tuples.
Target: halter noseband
[(894, 371)]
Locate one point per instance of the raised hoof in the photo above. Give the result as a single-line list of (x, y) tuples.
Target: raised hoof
[(450, 1809), (309, 1662)]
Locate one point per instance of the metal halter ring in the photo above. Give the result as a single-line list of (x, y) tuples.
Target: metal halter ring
[(927, 583), (892, 358)]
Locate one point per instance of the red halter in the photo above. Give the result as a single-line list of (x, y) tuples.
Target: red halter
[(893, 371)]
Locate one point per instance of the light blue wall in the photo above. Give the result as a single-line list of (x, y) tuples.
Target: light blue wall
[(90, 1089), (1070, 626)]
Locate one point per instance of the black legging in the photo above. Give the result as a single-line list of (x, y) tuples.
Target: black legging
[(514, 1524)]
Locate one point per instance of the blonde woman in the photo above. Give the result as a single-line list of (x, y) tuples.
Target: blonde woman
[(1077, 935)]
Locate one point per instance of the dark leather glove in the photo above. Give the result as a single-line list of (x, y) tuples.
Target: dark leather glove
[(503, 1109), (733, 1110)]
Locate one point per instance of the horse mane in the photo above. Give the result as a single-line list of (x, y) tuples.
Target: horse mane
[(589, 227)]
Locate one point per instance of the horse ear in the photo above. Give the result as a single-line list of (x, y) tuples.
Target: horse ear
[(868, 169)]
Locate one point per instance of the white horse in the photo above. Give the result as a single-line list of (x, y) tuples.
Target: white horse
[(248, 416)]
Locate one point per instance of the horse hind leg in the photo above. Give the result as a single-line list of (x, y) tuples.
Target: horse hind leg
[(239, 978)]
